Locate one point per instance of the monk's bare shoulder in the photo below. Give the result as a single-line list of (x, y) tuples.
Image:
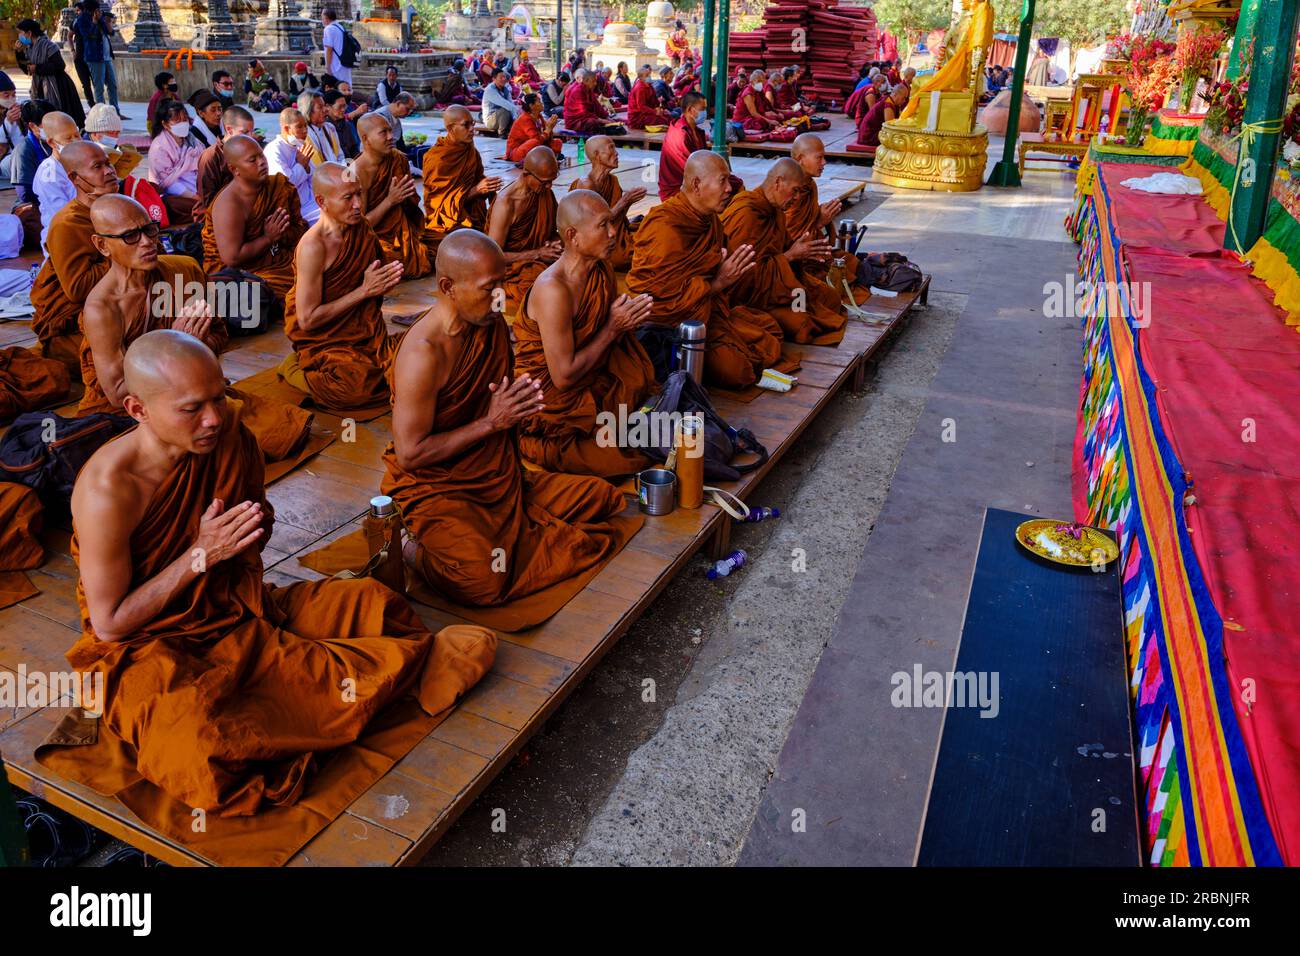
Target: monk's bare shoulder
[(551, 294), (583, 182), (108, 485), (429, 348), (101, 298)]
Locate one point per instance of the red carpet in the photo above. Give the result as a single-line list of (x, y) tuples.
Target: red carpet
[(1227, 373)]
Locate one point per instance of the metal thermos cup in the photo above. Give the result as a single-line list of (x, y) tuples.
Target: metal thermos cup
[(690, 349), (381, 506), (657, 490)]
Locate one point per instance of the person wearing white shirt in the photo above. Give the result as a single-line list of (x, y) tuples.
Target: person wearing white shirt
[(11, 130), (51, 184), (332, 40), (290, 154), (499, 110), (323, 137)]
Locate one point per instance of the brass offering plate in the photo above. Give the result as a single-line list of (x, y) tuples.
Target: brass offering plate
[(1066, 542)]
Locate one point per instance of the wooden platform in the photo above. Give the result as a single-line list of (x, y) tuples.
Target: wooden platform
[(535, 670)]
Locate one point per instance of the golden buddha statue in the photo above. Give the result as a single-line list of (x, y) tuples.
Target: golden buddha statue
[(943, 152)]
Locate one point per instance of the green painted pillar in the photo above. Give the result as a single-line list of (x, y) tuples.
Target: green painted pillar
[(1270, 78), (720, 81), (710, 11), (1007, 171), (1245, 30)]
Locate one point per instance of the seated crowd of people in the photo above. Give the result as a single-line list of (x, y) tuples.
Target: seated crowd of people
[(527, 343)]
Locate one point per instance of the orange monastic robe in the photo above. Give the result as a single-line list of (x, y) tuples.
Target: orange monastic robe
[(611, 190), (280, 428), (451, 171), (806, 311), (800, 219), (533, 227), (345, 360), (490, 532), (242, 699), (276, 193), (401, 231), (63, 282), (677, 254), (564, 436), (29, 381)]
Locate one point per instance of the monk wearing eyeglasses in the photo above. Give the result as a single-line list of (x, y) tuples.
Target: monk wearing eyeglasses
[(522, 222), (139, 294), (256, 220), (74, 265), (455, 190)]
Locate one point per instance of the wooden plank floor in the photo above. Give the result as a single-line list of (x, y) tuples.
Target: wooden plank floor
[(534, 672)]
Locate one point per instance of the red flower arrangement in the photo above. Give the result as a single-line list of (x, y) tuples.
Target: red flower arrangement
[(1147, 83), (1195, 55)]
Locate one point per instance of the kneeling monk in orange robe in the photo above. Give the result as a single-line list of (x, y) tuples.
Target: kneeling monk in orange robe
[(522, 222), (807, 311), (391, 203), (485, 531), (255, 222), (577, 337), (222, 693), (603, 155), (455, 189), (680, 260), (73, 265), (143, 291), (334, 314), (806, 215)]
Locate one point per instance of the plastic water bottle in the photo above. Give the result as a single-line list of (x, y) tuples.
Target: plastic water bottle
[(762, 514), (728, 564), (582, 151)]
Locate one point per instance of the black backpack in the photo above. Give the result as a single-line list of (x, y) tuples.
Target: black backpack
[(267, 308), (50, 467), (684, 395), (351, 50), (891, 271)]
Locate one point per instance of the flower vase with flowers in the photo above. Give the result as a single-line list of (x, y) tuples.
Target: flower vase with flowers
[(1195, 55), (1150, 73)]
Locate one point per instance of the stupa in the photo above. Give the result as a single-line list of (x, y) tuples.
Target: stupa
[(286, 30), (623, 42)]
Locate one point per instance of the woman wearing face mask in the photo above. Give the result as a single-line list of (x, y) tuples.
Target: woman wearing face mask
[(752, 109), (41, 59), (174, 163)]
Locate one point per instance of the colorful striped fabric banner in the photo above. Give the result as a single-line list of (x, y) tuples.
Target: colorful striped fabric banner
[(1202, 801)]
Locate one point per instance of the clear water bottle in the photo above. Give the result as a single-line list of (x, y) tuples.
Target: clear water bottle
[(721, 569), (762, 514)]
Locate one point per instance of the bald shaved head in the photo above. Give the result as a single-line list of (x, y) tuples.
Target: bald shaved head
[(581, 205), (328, 177), (240, 147), (466, 253), (806, 143), (89, 168), (470, 271), (706, 181), (291, 117), (454, 114), (540, 161), (116, 213), (165, 361), (59, 128), (784, 169), (371, 122)]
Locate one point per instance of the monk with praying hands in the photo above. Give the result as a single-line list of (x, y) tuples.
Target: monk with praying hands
[(74, 265), (603, 155), (680, 258), (388, 193), (455, 190), (522, 223), (576, 337), (806, 311), (334, 315), (125, 304), (255, 222), (484, 531), (223, 693)]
